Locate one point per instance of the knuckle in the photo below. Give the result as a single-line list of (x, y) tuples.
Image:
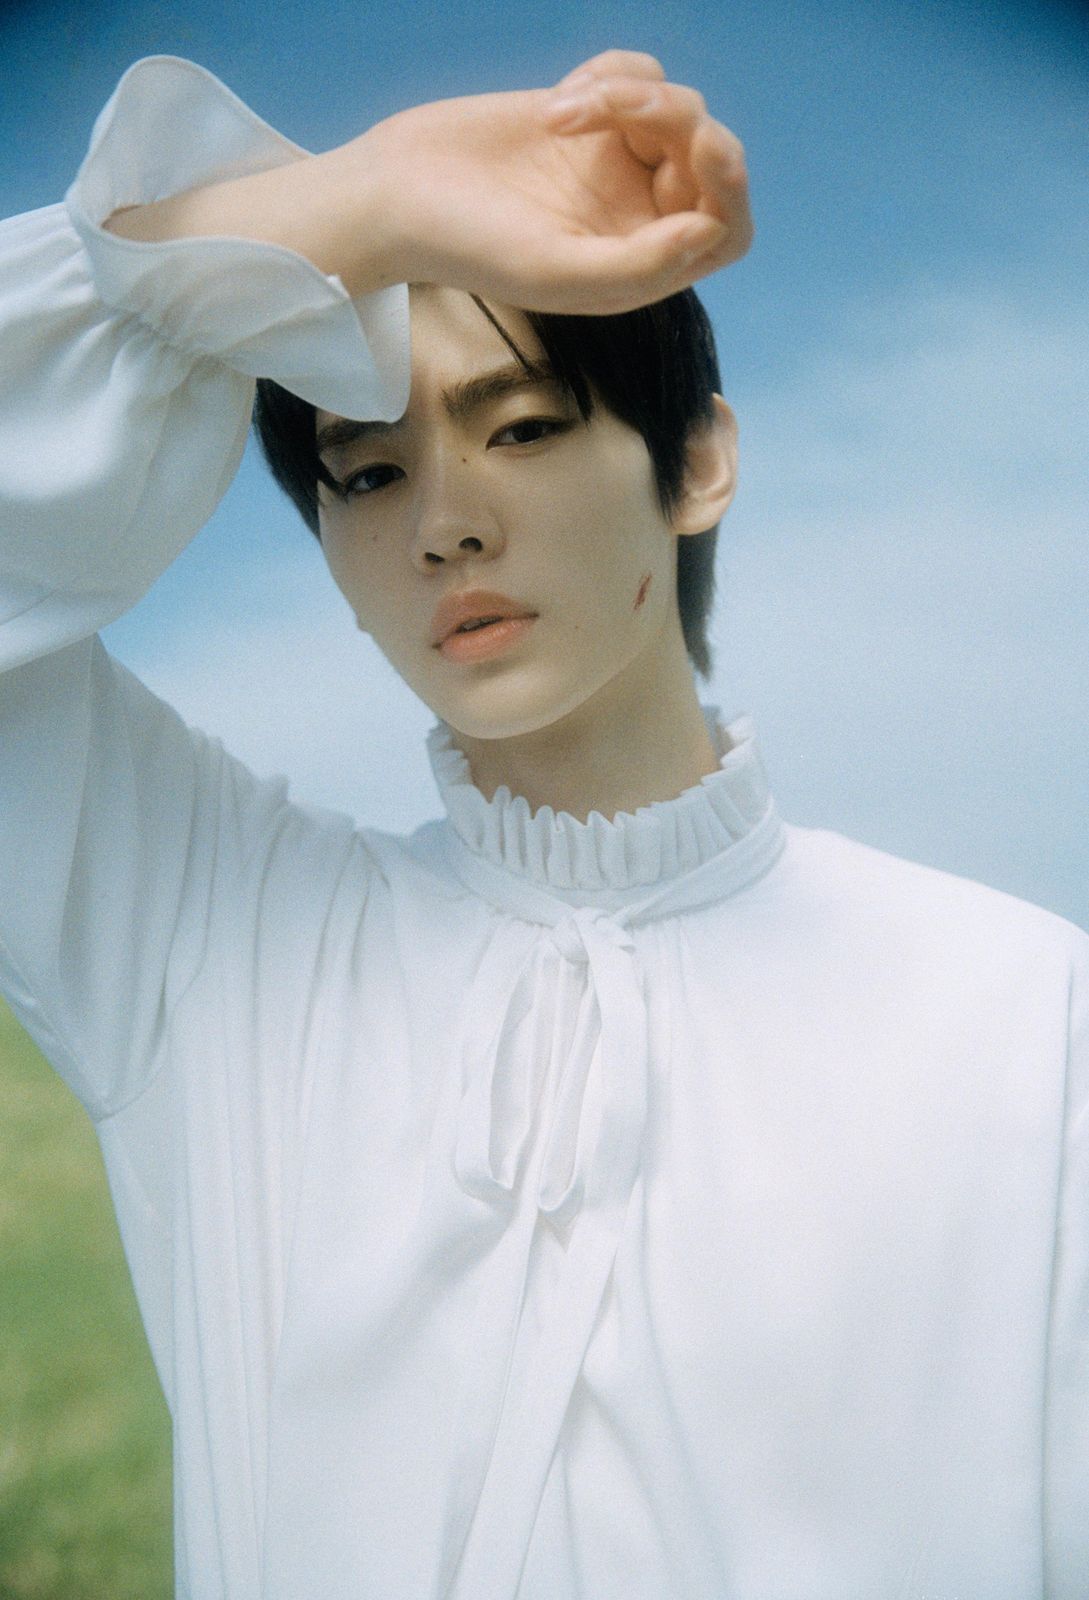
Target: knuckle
[(632, 61), (624, 93), (681, 102), (617, 63)]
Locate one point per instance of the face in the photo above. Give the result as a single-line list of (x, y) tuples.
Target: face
[(504, 489)]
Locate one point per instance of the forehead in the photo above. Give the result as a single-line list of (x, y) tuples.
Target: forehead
[(453, 340), (450, 321)]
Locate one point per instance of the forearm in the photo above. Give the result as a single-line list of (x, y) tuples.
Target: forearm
[(326, 208)]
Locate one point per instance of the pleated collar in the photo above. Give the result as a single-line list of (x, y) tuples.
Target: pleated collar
[(659, 842)]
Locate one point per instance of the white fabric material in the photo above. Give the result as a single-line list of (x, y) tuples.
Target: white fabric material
[(678, 1205)]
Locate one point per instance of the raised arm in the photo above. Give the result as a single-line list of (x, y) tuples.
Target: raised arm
[(607, 192), (126, 387)]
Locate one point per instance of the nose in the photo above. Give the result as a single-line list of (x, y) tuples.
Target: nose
[(454, 520)]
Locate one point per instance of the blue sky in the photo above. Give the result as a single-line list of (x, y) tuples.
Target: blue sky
[(904, 577)]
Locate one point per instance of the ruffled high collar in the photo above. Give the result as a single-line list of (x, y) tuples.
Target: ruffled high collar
[(659, 841)]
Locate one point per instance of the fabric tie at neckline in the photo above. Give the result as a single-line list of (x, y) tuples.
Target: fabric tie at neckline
[(498, 1091), (611, 1033)]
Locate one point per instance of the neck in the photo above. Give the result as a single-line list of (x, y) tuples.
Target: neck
[(640, 738)]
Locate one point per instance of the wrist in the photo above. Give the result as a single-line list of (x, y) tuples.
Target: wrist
[(342, 218)]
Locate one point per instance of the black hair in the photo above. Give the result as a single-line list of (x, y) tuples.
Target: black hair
[(655, 368)]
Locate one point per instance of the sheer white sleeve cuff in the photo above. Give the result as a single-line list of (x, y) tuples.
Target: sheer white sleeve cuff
[(169, 126)]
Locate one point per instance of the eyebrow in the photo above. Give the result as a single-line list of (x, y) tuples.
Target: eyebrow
[(461, 401)]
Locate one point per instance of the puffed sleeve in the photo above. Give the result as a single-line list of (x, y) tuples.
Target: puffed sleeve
[(128, 368), (126, 388), (1066, 1413)]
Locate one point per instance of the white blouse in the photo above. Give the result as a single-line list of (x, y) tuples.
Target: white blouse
[(685, 1206)]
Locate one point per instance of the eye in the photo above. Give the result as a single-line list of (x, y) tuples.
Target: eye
[(530, 430), (368, 480)]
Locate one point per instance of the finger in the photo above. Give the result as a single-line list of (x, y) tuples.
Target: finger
[(717, 164), (615, 63), (674, 188), (723, 242), (650, 115), (698, 163)]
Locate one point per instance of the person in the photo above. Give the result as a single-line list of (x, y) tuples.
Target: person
[(608, 1189)]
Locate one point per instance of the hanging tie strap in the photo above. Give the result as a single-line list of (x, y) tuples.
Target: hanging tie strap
[(498, 1090)]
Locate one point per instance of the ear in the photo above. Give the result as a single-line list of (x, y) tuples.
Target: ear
[(710, 472)]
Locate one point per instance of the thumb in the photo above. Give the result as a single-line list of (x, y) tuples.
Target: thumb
[(599, 275)]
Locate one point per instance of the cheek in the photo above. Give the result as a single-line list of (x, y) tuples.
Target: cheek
[(351, 556)]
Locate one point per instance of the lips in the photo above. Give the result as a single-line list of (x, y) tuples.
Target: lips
[(475, 605)]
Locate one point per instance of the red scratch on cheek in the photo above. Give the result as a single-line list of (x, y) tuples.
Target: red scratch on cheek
[(641, 596)]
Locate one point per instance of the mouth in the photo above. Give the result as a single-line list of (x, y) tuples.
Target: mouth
[(480, 640), (486, 619), (473, 611), (472, 627)]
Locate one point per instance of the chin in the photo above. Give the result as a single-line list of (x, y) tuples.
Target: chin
[(509, 708)]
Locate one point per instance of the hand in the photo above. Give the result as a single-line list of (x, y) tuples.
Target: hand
[(608, 192)]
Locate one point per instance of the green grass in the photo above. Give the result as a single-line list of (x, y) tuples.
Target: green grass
[(84, 1431)]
